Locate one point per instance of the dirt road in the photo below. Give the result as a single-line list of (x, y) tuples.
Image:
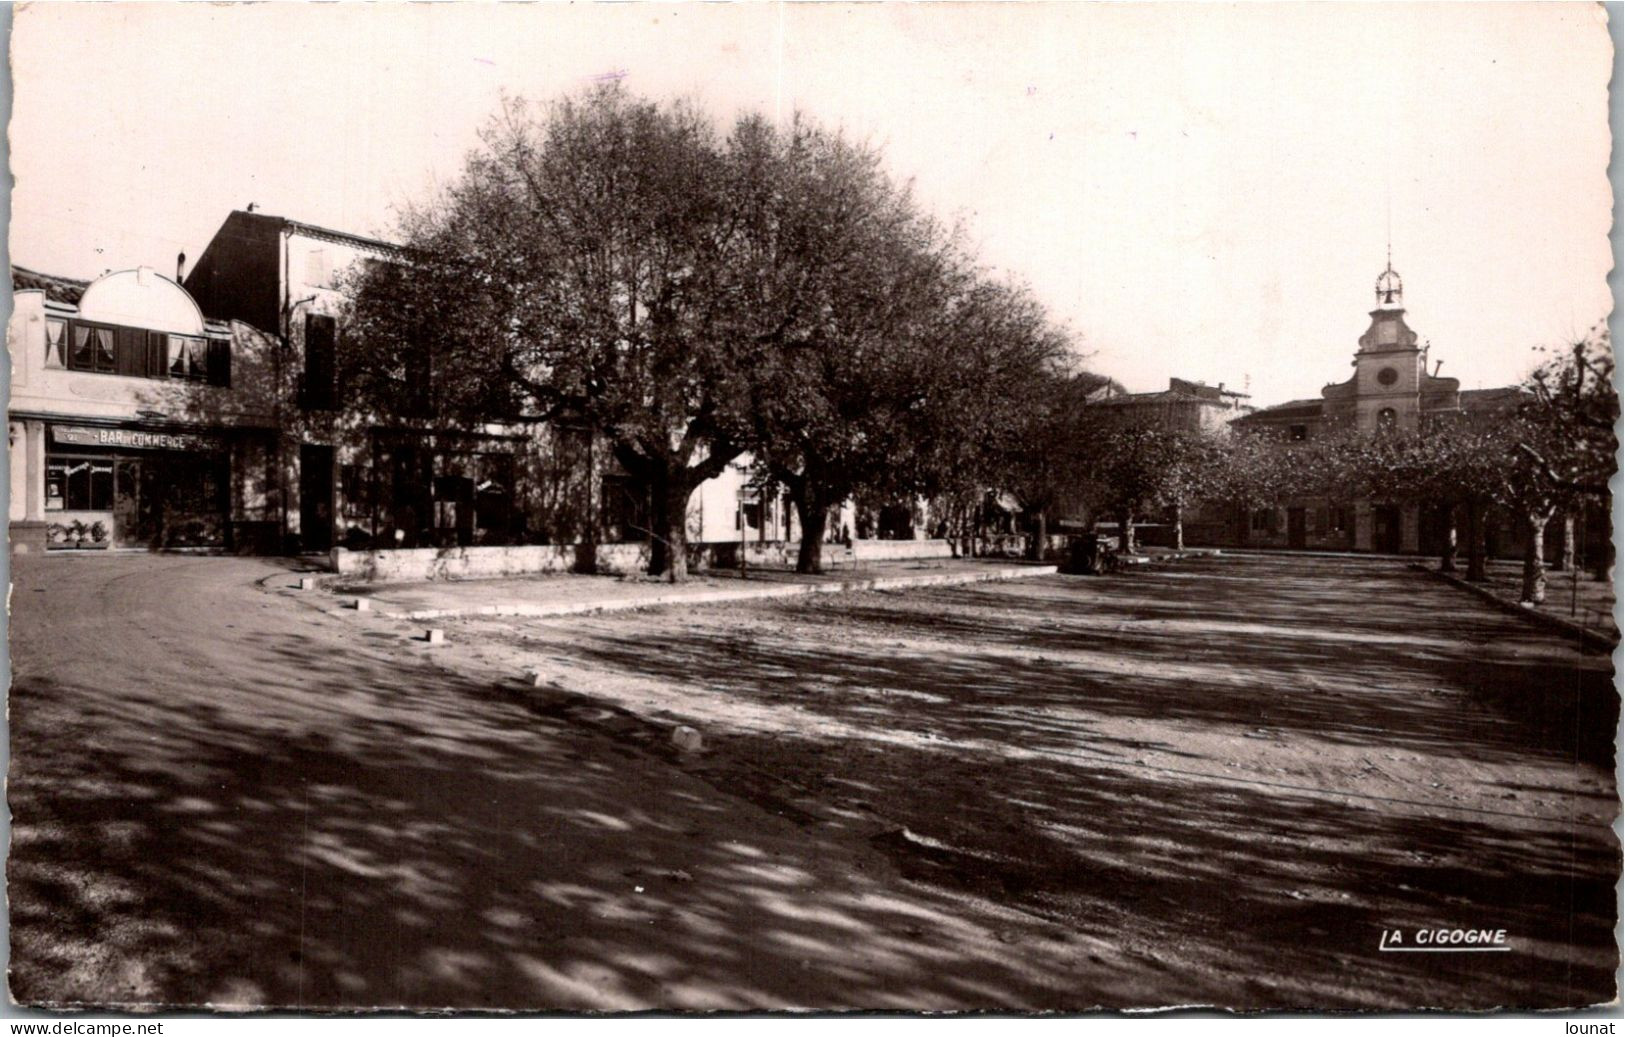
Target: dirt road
[(1218, 783)]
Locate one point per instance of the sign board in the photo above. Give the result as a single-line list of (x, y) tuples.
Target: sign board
[(132, 439)]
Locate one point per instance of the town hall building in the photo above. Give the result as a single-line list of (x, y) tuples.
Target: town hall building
[(1395, 385)]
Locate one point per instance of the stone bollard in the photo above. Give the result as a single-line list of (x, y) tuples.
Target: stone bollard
[(307, 583), (363, 605), (536, 678), (687, 739), (435, 636)]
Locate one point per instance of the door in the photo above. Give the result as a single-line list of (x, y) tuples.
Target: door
[(315, 497), (1297, 534), (132, 525), (454, 510), (1385, 529)]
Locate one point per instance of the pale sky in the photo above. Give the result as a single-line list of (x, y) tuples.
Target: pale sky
[(1200, 191)]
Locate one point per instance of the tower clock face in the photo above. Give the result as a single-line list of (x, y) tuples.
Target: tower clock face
[(1387, 376)]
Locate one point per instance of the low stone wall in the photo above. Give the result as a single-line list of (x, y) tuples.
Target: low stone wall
[(900, 550), (472, 563), (414, 565)]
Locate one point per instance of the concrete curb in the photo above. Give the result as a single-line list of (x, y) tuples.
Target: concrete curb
[(1591, 639), (1169, 556), (1349, 556), (792, 590)]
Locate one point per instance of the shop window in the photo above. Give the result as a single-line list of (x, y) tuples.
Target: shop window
[(79, 484), (1264, 520), (56, 335)]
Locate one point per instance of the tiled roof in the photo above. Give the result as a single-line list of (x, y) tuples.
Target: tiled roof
[(1165, 396), (59, 289), (1291, 408), (1490, 399)]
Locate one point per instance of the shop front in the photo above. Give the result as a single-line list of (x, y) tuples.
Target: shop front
[(133, 487)]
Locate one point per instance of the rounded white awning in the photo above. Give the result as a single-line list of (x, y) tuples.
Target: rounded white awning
[(142, 298)]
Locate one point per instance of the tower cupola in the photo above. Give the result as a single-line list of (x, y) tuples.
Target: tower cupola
[(1390, 289)]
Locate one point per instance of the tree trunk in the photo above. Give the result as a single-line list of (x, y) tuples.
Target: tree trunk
[(659, 552), (814, 516), (668, 541), (1040, 536), (1447, 553), (1534, 559), (677, 530), (1179, 527), (1125, 531), (1565, 557), (1476, 562)]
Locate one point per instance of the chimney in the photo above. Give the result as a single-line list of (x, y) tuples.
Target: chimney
[(143, 275), (180, 268)]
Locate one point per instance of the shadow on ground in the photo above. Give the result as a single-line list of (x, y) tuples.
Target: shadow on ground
[(1237, 774), (217, 800)]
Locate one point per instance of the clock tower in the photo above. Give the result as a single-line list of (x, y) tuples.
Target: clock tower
[(1389, 366)]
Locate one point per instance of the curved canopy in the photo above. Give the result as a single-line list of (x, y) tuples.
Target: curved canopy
[(141, 298)]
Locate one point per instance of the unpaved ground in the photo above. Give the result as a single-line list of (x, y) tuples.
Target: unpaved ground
[(1236, 773), (223, 795), (1215, 783)]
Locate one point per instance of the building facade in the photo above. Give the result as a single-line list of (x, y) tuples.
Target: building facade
[(208, 411), (1184, 406), (1391, 387), (126, 426)]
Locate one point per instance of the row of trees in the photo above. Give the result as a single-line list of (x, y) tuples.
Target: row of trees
[(696, 295), (1545, 452)]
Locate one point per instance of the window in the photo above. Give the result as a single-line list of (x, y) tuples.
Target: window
[(92, 349), (1298, 433), (318, 272), (1264, 520), (136, 352), (56, 334), (188, 358), (79, 484)]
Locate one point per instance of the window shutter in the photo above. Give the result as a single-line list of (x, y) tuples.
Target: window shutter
[(157, 365), (219, 362), (320, 331), (131, 352)]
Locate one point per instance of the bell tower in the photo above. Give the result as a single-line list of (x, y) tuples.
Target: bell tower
[(1388, 365)]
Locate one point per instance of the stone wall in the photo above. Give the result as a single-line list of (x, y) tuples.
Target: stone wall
[(469, 563)]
